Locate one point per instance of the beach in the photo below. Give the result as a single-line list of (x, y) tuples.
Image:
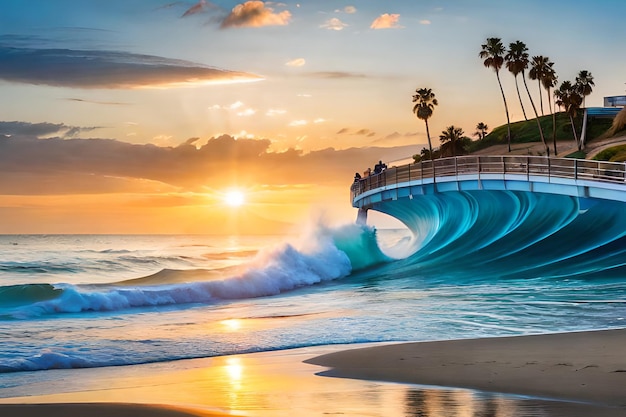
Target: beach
[(578, 373), (578, 366)]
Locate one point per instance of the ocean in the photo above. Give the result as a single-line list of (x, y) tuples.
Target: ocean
[(91, 301), (74, 301)]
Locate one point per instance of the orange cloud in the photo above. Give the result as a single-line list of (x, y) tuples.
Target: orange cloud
[(255, 14), (108, 186), (29, 165), (386, 21)]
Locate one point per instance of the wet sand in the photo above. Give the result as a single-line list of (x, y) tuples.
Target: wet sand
[(101, 410), (586, 369), (582, 366)]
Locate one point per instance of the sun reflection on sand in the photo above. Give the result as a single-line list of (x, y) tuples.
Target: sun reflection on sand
[(234, 370), (277, 384), (231, 324)]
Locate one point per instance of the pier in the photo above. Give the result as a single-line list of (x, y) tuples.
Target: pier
[(564, 176)]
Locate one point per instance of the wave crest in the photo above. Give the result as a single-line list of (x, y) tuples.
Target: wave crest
[(327, 254)]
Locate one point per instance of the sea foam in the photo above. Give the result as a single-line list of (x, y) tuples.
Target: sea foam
[(316, 258)]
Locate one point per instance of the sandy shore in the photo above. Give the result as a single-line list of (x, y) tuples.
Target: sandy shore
[(583, 366), (588, 369)]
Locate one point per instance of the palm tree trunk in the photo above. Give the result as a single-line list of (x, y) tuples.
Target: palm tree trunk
[(571, 119), (540, 95), (520, 98), (553, 121), (430, 147), (506, 109), (543, 140)]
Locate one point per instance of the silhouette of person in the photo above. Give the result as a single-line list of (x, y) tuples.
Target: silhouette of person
[(379, 167)]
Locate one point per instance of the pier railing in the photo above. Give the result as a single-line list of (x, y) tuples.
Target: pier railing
[(576, 169)]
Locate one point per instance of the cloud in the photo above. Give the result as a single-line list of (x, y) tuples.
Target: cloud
[(237, 105), (234, 106), (347, 9), (298, 62), (41, 129), (336, 74), (319, 120), (333, 24), (360, 132), (386, 21), (275, 112), (255, 14), (199, 7), (106, 69), (399, 139), (296, 123), (106, 103), (246, 112), (425, 22), (191, 141), (29, 165)]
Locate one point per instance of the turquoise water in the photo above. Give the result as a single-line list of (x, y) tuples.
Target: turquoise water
[(93, 301)]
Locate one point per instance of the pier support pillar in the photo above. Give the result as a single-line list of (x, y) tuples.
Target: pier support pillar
[(361, 217)]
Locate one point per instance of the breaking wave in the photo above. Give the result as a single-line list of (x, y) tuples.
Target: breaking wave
[(327, 255)]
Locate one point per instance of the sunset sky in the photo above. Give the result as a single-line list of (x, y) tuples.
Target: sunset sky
[(140, 116)]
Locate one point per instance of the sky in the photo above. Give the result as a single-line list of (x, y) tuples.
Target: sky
[(142, 116)]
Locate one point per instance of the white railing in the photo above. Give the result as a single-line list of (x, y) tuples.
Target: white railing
[(577, 169)]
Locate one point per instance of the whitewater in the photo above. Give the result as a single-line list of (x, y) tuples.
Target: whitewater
[(85, 301)]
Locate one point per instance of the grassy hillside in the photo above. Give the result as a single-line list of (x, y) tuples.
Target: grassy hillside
[(612, 154), (527, 131)]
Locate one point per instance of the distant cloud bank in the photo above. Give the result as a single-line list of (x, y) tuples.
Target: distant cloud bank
[(53, 165), (106, 69)]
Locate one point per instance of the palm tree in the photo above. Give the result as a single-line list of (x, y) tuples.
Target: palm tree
[(550, 81), (584, 84), (538, 70), (516, 62), (451, 134), (493, 52), (533, 74), (481, 130), (570, 100), (425, 103)]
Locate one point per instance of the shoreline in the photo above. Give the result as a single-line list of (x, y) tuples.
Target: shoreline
[(103, 409), (587, 366), (549, 368)]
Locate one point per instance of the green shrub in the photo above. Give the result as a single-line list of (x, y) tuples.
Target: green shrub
[(610, 153), (577, 155)]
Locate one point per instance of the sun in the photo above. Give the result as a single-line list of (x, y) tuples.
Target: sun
[(234, 198)]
